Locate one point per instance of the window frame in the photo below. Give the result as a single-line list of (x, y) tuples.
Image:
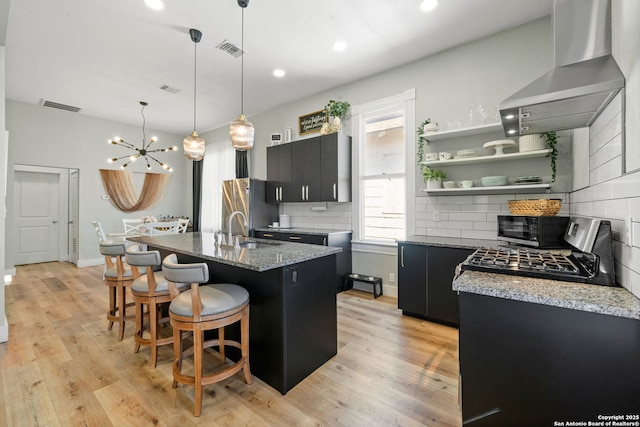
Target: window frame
[(359, 114)]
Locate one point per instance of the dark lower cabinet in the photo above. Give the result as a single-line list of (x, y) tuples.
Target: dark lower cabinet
[(526, 364), (340, 239), (425, 274)]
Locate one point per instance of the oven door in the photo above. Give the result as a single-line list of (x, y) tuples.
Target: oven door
[(518, 229)]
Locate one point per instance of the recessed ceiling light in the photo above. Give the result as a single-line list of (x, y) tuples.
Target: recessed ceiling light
[(154, 4), (428, 5), (279, 72), (339, 46)]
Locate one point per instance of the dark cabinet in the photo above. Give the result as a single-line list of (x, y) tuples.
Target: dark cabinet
[(340, 239), (312, 170), (305, 170), (279, 173), (335, 161), (425, 274)]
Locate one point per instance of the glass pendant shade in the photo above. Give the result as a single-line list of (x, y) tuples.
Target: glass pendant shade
[(194, 147), (241, 133)]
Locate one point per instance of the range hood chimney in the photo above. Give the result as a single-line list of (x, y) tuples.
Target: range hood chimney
[(584, 80)]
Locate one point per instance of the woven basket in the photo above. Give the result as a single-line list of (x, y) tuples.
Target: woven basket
[(535, 207), (532, 142)]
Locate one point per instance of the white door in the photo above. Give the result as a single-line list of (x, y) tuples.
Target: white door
[(36, 214), (74, 188)]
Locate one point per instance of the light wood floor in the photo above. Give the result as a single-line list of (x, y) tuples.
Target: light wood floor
[(61, 367)]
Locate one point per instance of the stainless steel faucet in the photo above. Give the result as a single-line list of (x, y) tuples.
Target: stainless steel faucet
[(230, 236)]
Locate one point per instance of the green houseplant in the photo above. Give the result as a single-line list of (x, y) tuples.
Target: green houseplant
[(552, 142), (422, 140), (338, 110), (433, 177)]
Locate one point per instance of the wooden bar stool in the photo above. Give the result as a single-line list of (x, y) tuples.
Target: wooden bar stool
[(150, 289), (117, 278), (200, 309)]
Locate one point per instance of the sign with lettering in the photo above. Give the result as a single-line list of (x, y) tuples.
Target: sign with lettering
[(310, 123)]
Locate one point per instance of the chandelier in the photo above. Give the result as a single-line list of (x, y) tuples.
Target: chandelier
[(241, 131), (144, 151)]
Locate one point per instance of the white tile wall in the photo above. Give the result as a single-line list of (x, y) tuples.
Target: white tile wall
[(611, 195), (336, 215)]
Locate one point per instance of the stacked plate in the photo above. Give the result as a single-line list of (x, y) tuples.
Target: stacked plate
[(463, 154), (527, 180)]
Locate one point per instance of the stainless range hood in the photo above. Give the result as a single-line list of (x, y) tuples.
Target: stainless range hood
[(585, 79)]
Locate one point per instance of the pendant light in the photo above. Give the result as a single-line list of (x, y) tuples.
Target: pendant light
[(193, 145), (241, 131)]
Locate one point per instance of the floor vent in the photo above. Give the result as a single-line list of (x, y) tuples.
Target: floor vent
[(59, 106), (230, 48), (170, 89)]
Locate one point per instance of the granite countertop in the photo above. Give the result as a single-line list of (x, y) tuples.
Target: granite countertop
[(272, 255), (608, 300), (301, 230), (451, 242)]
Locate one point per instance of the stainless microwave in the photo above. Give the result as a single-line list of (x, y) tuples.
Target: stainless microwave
[(538, 231)]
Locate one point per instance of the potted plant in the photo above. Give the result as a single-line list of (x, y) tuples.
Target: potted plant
[(338, 110), (552, 142), (433, 177)]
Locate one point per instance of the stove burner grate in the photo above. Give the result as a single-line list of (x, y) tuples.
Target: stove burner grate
[(524, 260)]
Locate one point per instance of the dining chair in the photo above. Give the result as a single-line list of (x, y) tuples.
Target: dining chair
[(99, 231), (183, 223), (133, 226), (163, 227)]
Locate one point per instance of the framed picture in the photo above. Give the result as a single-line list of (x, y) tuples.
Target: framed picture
[(310, 123)]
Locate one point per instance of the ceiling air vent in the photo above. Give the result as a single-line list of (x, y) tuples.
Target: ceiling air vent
[(170, 89), (230, 48), (59, 106)]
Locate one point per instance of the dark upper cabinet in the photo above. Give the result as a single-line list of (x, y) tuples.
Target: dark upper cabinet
[(316, 170), (335, 161), (305, 170), (279, 173)]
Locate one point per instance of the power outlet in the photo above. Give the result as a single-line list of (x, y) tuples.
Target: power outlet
[(392, 278)]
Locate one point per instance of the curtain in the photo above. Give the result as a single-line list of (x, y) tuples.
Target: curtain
[(122, 193), (197, 194), (217, 166), (242, 168)]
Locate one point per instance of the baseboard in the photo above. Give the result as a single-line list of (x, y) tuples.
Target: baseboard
[(4, 330), (90, 262)]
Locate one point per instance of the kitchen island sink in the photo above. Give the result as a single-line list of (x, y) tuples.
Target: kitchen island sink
[(293, 323)]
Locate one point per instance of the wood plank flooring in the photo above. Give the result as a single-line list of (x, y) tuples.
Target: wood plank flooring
[(61, 367)]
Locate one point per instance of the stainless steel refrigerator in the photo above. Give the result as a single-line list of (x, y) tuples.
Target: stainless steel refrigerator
[(249, 197)]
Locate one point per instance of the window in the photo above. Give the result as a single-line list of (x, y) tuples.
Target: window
[(219, 165), (382, 138)]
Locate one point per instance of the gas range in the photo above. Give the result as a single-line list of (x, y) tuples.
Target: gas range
[(532, 263), (590, 261)]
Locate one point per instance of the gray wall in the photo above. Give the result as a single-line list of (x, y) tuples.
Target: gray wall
[(485, 71), (41, 136)]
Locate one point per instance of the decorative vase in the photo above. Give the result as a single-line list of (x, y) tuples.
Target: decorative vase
[(434, 183), (337, 124)]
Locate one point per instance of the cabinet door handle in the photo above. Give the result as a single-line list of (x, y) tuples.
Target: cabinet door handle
[(402, 256), (302, 190), (294, 238), (277, 194), (267, 235), (307, 193), (280, 193), (335, 197), (324, 241)]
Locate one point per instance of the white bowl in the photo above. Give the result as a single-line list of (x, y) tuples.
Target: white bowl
[(494, 181)]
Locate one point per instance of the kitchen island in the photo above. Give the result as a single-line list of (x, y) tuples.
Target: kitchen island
[(293, 323), (536, 352)]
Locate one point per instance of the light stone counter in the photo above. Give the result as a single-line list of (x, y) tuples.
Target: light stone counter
[(272, 255), (451, 242), (608, 300)]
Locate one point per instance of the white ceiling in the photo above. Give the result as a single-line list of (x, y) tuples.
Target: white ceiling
[(107, 55)]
